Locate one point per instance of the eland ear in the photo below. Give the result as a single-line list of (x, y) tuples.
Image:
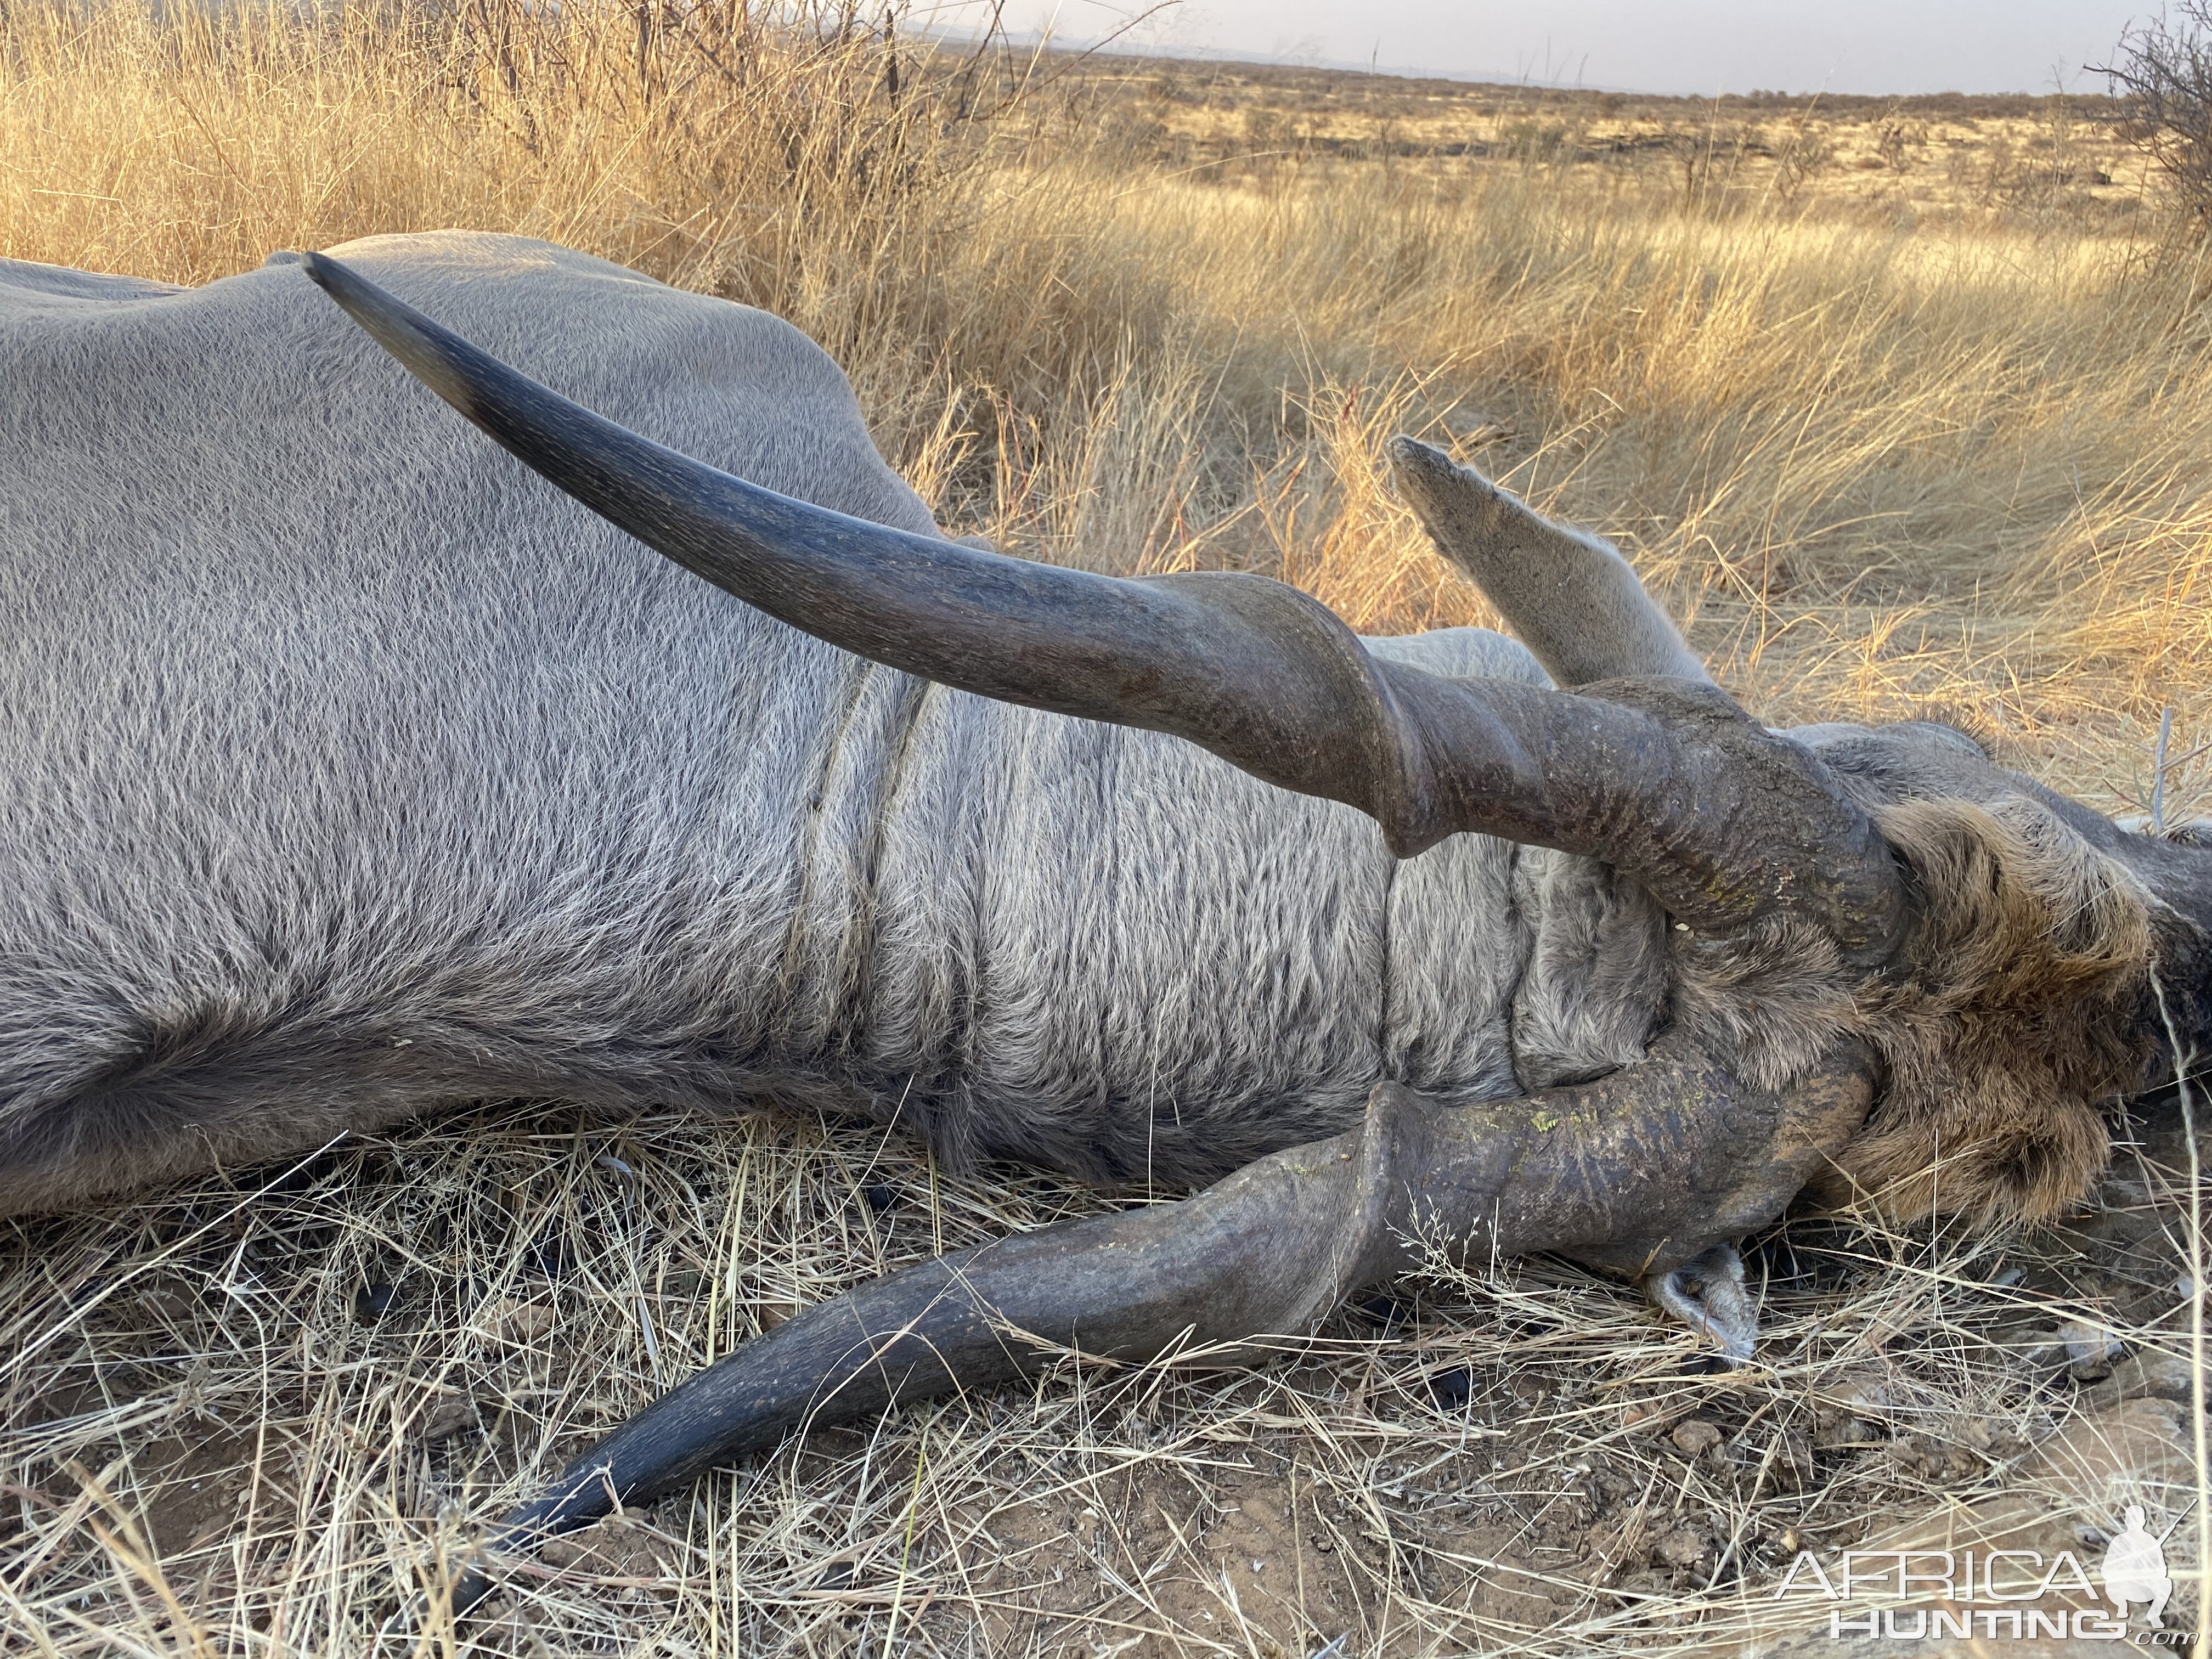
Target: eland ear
[(1567, 595)]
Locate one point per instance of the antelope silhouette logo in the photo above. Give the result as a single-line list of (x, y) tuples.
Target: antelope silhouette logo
[(2134, 1568)]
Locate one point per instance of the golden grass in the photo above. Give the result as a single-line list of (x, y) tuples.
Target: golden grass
[(1880, 462)]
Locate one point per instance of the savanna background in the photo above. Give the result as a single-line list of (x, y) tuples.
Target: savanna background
[(1904, 405)]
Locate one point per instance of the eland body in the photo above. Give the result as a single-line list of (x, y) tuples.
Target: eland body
[(347, 770)]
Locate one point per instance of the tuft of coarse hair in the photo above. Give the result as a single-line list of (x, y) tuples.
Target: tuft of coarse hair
[(2019, 1011), (2022, 1011)]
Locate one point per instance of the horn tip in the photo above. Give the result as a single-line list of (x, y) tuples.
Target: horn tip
[(438, 359), (335, 278)]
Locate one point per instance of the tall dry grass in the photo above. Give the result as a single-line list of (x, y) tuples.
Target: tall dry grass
[(1878, 467)]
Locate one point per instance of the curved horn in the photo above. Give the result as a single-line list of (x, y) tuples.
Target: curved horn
[(1674, 786), (1636, 1172), (1571, 598)]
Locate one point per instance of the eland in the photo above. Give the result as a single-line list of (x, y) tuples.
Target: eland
[(351, 769)]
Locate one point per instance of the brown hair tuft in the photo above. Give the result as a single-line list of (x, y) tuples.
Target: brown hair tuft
[(2016, 1014)]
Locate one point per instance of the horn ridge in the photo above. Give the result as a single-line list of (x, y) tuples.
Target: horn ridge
[(1676, 790), (1635, 1172)]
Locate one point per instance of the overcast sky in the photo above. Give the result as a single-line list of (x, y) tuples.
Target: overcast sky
[(1698, 46)]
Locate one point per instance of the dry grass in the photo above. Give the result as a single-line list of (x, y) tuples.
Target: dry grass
[(246, 1419), (1884, 456)]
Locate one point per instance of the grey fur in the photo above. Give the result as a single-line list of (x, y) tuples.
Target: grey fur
[(350, 770), (347, 770)]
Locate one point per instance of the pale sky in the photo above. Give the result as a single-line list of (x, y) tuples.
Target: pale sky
[(1696, 47)]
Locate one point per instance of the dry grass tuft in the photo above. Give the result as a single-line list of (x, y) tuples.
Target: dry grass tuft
[(1884, 464), (245, 1418)]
